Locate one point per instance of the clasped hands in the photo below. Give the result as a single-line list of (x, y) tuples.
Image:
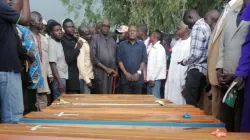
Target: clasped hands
[(225, 79), (132, 78)]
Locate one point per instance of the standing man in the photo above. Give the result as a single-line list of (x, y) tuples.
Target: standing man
[(156, 67), (211, 18), (131, 56), (233, 37), (103, 52), (86, 73), (176, 75), (71, 52), (213, 52), (36, 25), (57, 61), (142, 34), (10, 68), (197, 60)]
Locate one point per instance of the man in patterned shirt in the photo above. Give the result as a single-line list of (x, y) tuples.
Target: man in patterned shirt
[(197, 60)]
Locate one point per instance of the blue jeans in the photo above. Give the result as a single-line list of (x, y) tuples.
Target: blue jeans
[(156, 90), (55, 88), (84, 89), (11, 95)]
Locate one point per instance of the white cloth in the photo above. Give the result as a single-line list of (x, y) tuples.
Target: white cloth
[(177, 73), (156, 67)]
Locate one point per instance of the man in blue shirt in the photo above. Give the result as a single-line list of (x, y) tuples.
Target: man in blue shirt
[(11, 96), (131, 56)]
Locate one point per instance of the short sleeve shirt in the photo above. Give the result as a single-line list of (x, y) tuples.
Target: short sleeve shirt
[(56, 55), (9, 39), (131, 56)]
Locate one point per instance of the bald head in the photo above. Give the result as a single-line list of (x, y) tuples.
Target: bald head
[(84, 32), (211, 18), (105, 27), (191, 17), (36, 20)]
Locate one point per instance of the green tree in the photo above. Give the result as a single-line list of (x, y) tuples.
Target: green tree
[(158, 14)]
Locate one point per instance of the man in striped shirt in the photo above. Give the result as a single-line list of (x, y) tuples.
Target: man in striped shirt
[(197, 60)]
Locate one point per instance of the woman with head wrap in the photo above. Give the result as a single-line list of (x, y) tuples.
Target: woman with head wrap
[(243, 76)]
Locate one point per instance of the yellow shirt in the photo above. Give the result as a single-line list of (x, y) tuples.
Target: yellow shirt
[(84, 63)]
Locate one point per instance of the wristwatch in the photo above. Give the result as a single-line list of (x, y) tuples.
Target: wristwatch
[(139, 72)]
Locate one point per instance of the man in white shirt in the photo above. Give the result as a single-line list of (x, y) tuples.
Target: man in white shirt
[(84, 64), (156, 67), (177, 73)]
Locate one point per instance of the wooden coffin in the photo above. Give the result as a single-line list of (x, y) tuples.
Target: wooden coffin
[(63, 132)]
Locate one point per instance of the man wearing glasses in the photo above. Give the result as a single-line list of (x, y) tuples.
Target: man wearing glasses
[(103, 54)]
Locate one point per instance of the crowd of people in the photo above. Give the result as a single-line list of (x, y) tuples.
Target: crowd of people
[(42, 60)]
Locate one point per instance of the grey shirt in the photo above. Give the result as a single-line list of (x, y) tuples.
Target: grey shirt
[(56, 54)]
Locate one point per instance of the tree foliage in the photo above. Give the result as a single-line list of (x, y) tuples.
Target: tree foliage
[(158, 14)]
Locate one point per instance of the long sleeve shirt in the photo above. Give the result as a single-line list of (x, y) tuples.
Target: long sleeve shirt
[(200, 36), (84, 63)]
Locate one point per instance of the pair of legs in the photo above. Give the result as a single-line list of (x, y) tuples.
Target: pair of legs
[(232, 116), (156, 90), (195, 83), (11, 97), (131, 88), (84, 89), (55, 88)]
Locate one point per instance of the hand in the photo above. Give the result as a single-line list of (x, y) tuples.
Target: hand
[(228, 78), (51, 79), (79, 44), (136, 77), (110, 71), (89, 84), (181, 63), (151, 83), (128, 77), (31, 56), (240, 82), (115, 74), (220, 77), (61, 88)]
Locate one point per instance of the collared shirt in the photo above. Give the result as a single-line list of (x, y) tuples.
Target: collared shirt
[(35, 68), (9, 39), (223, 16), (131, 56), (156, 66), (200, 36), (84, 63)]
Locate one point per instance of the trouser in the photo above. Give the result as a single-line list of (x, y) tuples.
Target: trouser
[(29, 100), (131, 88), (41, 101), (11, 97), (195, 83), (69, 91), (84, 89), (156, 90), (232, 116), (55, 88)]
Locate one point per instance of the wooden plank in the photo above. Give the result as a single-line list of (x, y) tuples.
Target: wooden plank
[(23, 137), (116, 111), (122, 117), (109, 133)]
